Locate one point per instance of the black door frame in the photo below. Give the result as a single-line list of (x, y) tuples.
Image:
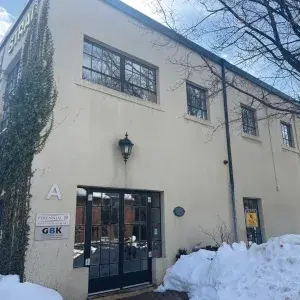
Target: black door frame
[(123, 280), (257, 232)]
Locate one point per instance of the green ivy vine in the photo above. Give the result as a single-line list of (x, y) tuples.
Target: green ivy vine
[(30, 121)]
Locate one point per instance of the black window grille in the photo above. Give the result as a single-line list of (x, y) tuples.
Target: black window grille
[(249, 120), (118, 72), (11, 83), (287, 135), (196, 102)]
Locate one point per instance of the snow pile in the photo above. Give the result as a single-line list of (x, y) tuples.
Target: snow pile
[(12, 289), (269, 271)]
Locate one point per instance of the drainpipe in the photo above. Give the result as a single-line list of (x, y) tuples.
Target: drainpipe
[(229, 153)]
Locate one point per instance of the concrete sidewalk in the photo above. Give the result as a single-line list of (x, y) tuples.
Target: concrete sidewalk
[(145, 294)]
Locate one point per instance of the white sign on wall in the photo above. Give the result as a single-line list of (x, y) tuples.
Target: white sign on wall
[(51, 226), (52, 219), (54, 192), (51, 233)]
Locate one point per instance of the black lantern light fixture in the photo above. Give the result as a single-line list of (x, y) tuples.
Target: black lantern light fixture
[(126, 147)]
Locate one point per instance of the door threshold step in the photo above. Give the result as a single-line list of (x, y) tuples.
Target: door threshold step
[(124, 293)]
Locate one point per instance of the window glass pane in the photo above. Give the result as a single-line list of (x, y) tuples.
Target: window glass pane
[(94, 272), (95, 254), (286, 130), (104, 271), (156, 250), (96, 233), (97, 64), (114, 269), (80, 215), (114, 232), (155, 215), (97, 51), (86, 74), (87, 48), (79, 239), (196, 102), (139, 81), (155, 200), (143, 214), (144, 265), (96, 77), (87, 60), (105, 212), (156, 234), (105, 66), (249, 121), (114, 253), (96, 215), (143, 236), (79, 234), (105, 253)]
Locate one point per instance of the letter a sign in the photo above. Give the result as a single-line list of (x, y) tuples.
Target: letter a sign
[(54, 192)]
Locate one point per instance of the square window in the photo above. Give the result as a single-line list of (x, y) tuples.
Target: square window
[(249, 120), (196, 102), (287, 134)]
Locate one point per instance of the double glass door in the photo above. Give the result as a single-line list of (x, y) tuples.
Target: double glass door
[(117, 243)]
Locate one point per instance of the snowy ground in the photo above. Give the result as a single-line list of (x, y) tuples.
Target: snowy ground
[(269, 271), (12, 289)]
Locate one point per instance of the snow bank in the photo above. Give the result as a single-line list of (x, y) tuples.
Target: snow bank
[(12, 289), (269, 271)]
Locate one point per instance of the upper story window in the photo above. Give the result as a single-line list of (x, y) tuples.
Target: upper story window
[(249, 120), (11, 83), (287, 134), (118, 72), (196, 102), (12, 78)]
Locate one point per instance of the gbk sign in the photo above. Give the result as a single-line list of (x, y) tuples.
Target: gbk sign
[(51, 226), (51, 233)]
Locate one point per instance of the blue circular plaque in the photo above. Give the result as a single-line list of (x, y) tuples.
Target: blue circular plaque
[(179, 211)]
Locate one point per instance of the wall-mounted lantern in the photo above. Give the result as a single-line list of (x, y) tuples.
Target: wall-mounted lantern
[(126, 147)]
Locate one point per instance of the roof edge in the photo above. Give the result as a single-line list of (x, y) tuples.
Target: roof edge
[(172, 35), (193, 46)]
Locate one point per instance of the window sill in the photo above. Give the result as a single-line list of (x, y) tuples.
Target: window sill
[(197, 120), (253, 138), (291, 149), (117, 94)]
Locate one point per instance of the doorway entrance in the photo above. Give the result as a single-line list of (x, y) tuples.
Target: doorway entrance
[(119, 230), (252, 219)]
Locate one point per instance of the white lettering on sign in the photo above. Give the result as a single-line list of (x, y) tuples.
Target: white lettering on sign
[(52, 219), (54, 192), (21, 29)]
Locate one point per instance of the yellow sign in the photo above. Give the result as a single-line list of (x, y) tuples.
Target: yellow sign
[(251, 219)]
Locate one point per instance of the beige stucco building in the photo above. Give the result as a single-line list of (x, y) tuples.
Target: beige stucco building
[(113, 78)]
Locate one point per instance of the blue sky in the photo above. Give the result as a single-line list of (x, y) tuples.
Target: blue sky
[(14, 7), (9, 11)]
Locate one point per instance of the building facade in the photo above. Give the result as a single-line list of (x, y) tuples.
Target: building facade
[(121, 227)]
